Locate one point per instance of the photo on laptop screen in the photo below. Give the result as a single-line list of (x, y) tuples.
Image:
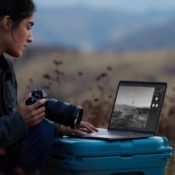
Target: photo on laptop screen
[(132, 106), (135, 111), (137, 106)]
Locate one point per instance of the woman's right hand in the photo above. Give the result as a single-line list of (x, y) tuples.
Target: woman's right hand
[(32, 114)]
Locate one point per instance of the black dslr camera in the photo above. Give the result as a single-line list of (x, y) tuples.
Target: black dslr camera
[(58, 111)]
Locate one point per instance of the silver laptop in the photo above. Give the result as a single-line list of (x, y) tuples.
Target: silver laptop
[(136, 111)]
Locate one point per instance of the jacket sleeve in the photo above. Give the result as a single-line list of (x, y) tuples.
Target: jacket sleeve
[(12, 129)]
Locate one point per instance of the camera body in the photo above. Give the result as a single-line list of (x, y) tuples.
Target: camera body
[(58, 111)]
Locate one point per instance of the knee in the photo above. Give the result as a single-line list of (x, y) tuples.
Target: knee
[(42, 134), (37, 146)]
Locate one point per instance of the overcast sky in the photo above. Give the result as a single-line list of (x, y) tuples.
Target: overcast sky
[(135, 96), (136, 5)]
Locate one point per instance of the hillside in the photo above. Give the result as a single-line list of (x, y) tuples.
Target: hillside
[(90, 80), (79, 71)]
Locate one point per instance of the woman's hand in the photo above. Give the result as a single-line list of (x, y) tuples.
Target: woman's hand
[(65, 130), (32, 114), (87, 127)]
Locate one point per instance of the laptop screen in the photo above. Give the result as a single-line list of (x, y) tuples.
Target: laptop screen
[(137, 106)]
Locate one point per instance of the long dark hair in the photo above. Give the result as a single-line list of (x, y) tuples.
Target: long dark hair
[(17, 10)]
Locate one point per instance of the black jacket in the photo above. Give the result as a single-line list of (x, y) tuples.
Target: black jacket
[(12, 126)]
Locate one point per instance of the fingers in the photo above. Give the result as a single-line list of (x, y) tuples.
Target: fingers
[(68, 131), (77, 132), (85, 130), (87, 127), (38, 103), (39, 111), (36, 120), (91, 128), (36, 116), (34, 113)]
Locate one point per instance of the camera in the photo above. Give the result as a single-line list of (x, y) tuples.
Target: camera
[(58, 111)]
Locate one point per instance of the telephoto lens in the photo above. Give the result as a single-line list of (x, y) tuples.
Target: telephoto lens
[(64, 113), (58, 111)]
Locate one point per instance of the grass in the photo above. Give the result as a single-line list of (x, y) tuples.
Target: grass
[(90, 80)]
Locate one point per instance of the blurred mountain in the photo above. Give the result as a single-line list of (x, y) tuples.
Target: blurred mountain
[(160, 37), (88, 28)]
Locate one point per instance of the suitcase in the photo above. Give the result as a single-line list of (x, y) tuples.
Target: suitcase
[(75, 156)]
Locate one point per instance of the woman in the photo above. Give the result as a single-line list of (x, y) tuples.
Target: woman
[(25, 136)]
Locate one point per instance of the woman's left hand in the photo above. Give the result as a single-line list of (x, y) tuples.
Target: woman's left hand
[(87, 127)]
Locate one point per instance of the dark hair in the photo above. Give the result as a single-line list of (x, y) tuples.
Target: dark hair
[(17, 9)]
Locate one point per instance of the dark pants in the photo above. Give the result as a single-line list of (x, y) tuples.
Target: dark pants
[(30, 154)]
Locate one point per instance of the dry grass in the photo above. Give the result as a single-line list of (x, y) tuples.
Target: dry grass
[(78, 77), (91, 79)]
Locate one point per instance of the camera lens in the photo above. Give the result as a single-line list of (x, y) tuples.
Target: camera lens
[(63, 113), (58, 111), (76, 117)]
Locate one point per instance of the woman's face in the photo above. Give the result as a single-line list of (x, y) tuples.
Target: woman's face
[(21, 36)]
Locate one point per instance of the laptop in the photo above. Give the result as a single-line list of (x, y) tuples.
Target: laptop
[(135, 113)]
